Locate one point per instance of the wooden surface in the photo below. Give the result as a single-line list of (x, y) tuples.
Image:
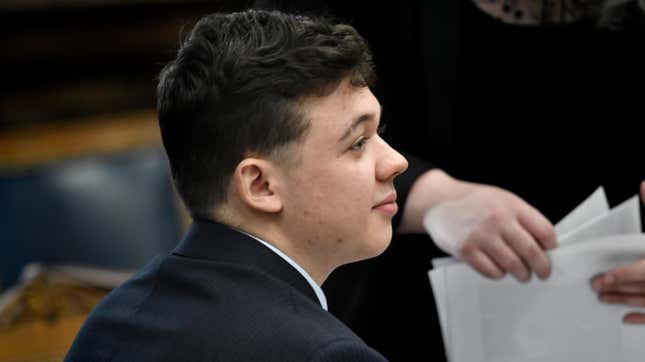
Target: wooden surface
[(40, 341), (42, 144), (40, 318)]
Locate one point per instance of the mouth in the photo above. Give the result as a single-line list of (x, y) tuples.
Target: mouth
[(388, 205)]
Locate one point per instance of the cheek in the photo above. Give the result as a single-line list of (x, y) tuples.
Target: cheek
[(352, 202), (350, 183), (338, 192)]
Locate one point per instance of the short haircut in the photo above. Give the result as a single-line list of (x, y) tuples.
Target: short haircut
[(233, 91)]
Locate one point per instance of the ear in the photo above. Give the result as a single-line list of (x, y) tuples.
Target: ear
[(254, 180)]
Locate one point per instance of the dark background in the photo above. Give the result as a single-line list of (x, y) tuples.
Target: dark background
[(548, 112)]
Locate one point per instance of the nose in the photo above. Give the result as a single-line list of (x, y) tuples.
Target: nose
[(390, 163)]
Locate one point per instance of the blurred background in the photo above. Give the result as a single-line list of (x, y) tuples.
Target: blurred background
[(84, 185), (544, 98)]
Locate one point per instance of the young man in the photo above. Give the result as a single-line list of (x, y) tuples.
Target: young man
[(271, 132)]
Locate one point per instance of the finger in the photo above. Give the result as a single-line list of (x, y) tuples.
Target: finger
[(481, 262), (528, 249), (631, 288), (502, 255), (597, 282), (634, 272), (643, 191), (633, 300), (538, 226), (634, 318)]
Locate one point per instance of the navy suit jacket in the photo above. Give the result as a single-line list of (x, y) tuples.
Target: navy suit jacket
[(219, 296)]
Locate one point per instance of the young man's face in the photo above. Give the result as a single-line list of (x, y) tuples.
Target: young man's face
[(340, 197)]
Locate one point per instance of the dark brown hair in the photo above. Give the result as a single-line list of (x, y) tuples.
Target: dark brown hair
[(234, 87)]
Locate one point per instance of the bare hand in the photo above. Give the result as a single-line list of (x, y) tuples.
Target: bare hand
[(495, 232), (623, 285)]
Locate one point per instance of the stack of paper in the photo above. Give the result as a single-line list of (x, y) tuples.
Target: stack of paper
[(559, 319)]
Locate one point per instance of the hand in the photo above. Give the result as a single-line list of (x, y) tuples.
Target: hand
[(623, 285), (494, 231)]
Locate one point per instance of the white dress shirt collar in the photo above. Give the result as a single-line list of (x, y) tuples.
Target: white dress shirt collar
[(319, 292)]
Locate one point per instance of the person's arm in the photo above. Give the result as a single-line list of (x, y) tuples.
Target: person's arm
[(491, 229), (624, 285)]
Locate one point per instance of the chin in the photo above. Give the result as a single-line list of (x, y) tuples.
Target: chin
[(382, 249), (379, 243)]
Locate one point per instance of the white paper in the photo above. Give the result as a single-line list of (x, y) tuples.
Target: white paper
[(556, 320), (623, 219), (594, 206), (438, 281)]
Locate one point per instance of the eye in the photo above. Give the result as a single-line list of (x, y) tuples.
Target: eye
[(359, 145)]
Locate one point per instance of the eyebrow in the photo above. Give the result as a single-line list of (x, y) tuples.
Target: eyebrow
[(361, 119)]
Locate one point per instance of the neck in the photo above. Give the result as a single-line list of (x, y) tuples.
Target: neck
[(269, 229), (297, 250)]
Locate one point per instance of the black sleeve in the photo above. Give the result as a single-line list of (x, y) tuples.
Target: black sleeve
[(403, 183)]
